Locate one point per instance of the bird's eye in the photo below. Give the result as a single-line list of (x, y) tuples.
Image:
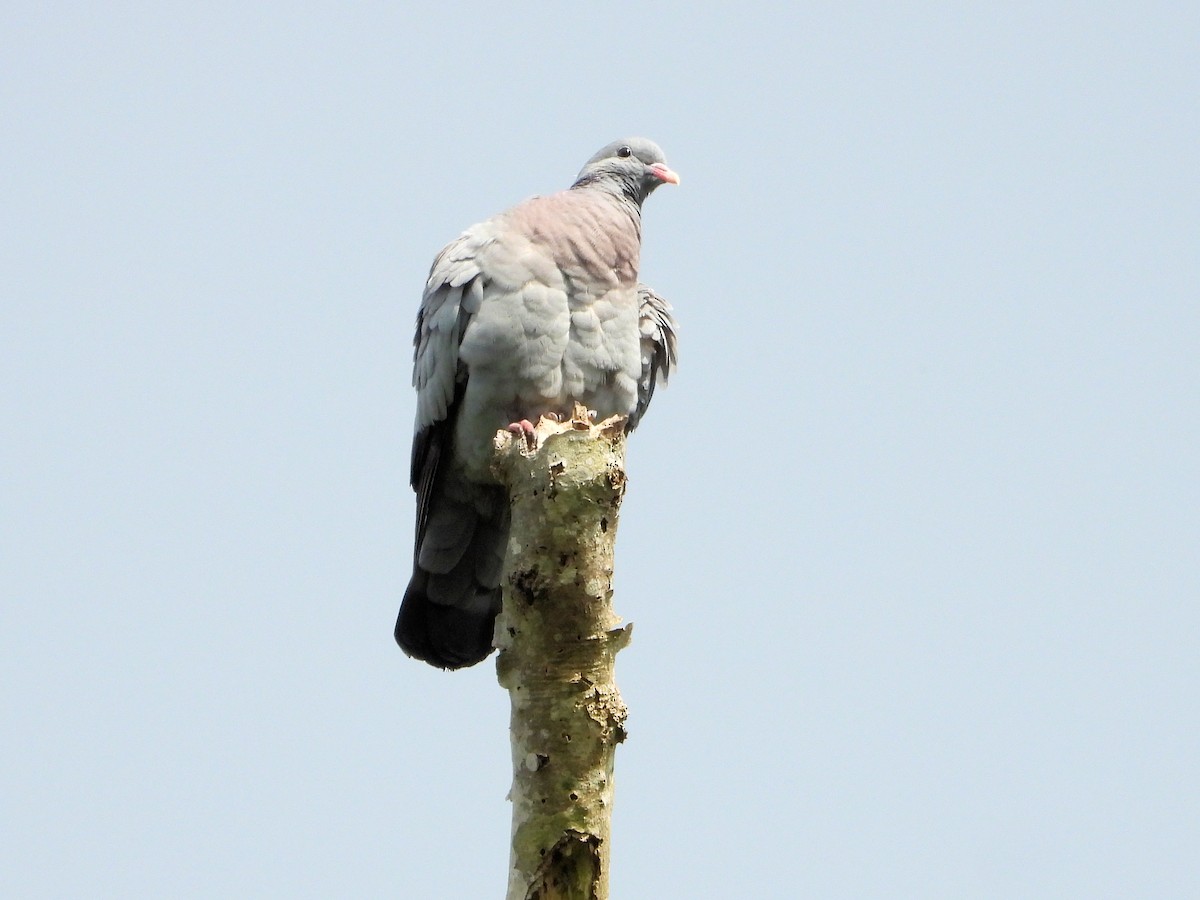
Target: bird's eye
[(625, 152)]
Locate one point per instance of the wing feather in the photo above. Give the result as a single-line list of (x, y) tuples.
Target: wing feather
[(452, 295), (659, 347)]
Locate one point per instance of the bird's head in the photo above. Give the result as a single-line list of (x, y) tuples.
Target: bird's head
[(635, 166)]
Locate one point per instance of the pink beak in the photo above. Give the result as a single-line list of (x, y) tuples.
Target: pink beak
[(662, 173)]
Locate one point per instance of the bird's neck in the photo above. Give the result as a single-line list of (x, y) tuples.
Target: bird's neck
[(623, 190)]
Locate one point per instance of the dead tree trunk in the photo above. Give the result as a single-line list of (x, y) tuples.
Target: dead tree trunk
[(558, 638)]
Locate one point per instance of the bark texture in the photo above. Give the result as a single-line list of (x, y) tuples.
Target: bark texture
[(558, 638)]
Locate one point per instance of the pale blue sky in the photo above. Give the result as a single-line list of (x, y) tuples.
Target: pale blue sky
[(910, 542)]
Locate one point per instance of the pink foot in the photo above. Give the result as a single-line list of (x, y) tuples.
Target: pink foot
[(524, 428)]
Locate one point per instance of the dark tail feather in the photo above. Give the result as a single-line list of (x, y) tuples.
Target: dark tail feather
[(442, 635), (450, 608)]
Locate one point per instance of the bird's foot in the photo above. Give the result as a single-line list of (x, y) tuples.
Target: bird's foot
[(524, 428)]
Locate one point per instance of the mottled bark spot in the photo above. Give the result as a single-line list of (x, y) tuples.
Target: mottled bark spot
[(529, 585)]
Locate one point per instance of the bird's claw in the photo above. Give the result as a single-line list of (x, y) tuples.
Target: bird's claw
[(524, 428)]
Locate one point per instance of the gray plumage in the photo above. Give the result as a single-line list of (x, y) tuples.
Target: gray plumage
[(523, 315), (658, 344)]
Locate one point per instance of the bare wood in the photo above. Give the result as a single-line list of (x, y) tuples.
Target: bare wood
[(558, 639)]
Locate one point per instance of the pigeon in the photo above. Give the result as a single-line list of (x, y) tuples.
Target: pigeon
[(523, 315)]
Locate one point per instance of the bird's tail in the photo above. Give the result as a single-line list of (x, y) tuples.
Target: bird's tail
[(449, 610)]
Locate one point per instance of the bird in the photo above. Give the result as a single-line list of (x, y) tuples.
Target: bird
[(522, 316)]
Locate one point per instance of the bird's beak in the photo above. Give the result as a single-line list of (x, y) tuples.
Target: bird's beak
[(662, 173)]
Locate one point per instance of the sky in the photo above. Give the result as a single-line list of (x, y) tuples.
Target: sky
[(910, 541)]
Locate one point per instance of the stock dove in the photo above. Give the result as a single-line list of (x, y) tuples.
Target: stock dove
[(523, 315)]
